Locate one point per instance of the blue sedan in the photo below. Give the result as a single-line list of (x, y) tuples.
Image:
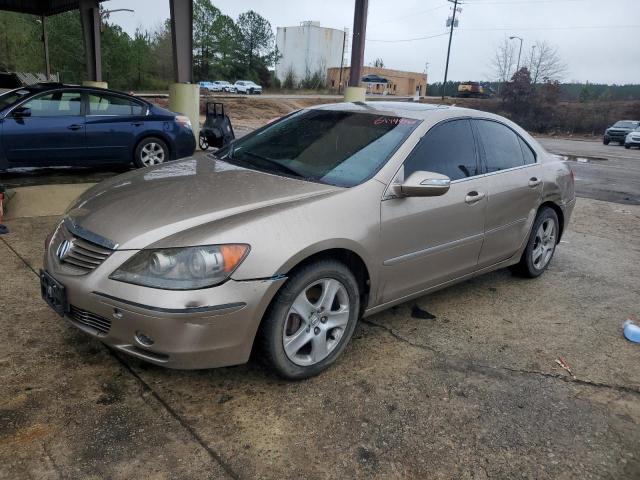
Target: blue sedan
[(55, 124)]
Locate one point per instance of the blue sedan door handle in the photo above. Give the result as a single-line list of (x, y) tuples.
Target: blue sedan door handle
[(137, 124), (75, 126)]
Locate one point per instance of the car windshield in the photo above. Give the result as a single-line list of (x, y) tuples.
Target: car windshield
[(334, 147), (625, 124), (9, 98)]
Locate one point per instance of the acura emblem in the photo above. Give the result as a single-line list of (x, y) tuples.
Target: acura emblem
[(64, 249)]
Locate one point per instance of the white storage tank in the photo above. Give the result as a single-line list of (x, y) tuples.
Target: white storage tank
[(307, 49)]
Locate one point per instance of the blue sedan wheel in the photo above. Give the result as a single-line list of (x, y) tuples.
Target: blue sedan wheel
[(151, 151)]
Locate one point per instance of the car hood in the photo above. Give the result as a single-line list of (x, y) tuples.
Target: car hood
[(621, 129), (141, 207)]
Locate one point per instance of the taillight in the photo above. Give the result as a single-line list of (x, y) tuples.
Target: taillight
[(573, 175), (183, 121)]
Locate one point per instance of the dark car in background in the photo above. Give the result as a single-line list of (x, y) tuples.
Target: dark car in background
[(54, 124), (619, 131)]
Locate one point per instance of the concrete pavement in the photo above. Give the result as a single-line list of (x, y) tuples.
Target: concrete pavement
[(473, 393)]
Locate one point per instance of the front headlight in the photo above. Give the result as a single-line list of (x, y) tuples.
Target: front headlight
[(187, 268)]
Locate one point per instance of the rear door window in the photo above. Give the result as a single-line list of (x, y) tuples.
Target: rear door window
[(105, 104), (527, 152), (55, 104), (448, 148), (501, 146)]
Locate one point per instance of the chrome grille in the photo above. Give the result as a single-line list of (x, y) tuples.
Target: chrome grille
[(95, 322), (79, 249), (84, 255)]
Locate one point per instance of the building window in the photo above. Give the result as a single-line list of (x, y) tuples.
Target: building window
[(333, 83)]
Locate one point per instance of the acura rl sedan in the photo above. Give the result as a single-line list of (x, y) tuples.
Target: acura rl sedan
[(281, 241), (53, 124)]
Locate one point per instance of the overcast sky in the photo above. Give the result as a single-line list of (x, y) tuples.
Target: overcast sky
[(586, 32)]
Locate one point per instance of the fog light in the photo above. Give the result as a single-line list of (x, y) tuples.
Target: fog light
[(144, 339)]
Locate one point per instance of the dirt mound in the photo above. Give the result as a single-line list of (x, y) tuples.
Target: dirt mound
[(253, 112)]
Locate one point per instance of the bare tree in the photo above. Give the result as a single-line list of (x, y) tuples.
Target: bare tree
[(504, 60), (545, 63)]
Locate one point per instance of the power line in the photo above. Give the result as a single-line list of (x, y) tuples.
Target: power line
[(498, 29), (407, 39)]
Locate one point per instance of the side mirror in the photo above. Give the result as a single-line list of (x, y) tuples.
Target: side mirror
[(423, 184), (21, 112)]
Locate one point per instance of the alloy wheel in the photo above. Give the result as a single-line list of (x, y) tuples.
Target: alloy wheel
[(544, 244), (316, 322), (152, 154)]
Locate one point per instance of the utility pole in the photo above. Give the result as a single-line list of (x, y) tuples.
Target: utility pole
[(344, 44), (357, 50), (519, 52), (453, 22)]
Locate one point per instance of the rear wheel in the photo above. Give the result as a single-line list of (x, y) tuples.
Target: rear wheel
[(541, 245), (151, 151), (311, 320)]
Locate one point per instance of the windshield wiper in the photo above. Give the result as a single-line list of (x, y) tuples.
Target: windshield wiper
[(280, 166)]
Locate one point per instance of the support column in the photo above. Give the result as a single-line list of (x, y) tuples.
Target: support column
[(90, 17), (45, 45), (184, 96), (355, 93)]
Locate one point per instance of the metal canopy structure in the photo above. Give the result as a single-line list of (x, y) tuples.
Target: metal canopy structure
[(42, 8), (89, 14)]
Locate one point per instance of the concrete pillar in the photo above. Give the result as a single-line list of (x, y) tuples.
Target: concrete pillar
[(182, 39), (89, 83), (354, 93), (184, 98), (90, 17)]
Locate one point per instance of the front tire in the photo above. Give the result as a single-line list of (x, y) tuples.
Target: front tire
[(605, 141), (150, 151), (627, 146), (311, 320), (541, 245)]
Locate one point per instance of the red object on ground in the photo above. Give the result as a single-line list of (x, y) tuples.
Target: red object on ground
[(3, 228)]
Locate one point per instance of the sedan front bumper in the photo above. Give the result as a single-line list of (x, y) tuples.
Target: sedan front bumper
[(206, 328)]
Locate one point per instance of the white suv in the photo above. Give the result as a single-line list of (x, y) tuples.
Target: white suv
[(248, 87), (224, 86)]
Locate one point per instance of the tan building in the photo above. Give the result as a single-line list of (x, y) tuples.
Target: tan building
[(398, 82)]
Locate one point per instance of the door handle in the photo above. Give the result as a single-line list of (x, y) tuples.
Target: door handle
[(474, 197), (75, 126), (137, 124), (534, 182)]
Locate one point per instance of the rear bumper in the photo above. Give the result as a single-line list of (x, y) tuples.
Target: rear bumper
[(205, 328), (185, 144)]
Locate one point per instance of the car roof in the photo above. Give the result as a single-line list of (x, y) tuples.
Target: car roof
[(47, 86), (419, 111)]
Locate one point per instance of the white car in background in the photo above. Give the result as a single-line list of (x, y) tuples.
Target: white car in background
[(209, 86), (632, 139), (225, 86), (248, 87)]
